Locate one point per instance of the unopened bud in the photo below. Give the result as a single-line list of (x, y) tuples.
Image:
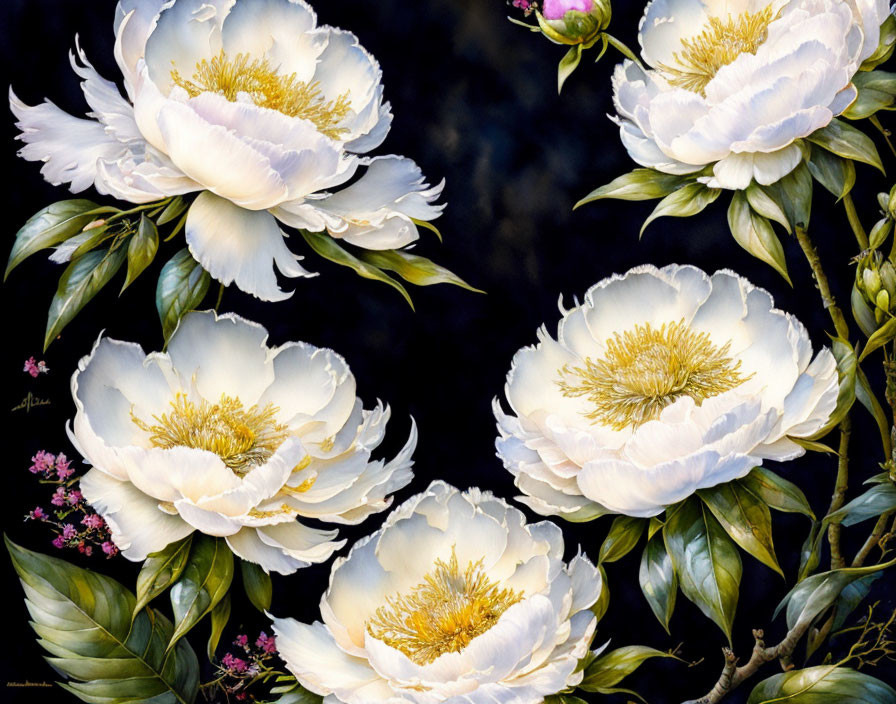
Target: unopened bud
[(871, 282), (574, 21)]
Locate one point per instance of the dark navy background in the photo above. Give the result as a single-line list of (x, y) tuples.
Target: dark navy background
[(475, 102)]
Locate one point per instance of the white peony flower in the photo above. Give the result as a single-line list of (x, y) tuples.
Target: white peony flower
[(735, 83), (455, 599), (662, 382), (225, 435), (254, 106)]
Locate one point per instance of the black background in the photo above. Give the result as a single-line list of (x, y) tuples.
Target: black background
[(475, 102)]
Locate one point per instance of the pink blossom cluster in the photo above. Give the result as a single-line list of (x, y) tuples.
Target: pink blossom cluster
[(527, 6), (35, 368), (238, 671), (76, 526)]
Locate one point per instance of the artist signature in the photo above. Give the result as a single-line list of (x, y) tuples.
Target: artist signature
[(29, 402)]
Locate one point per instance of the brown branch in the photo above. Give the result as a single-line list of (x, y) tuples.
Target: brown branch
[(839, 496), (874, 540), (732, 676)]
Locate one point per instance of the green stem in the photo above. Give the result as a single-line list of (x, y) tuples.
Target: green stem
[(839, 497), (884, 131), (220, 298), (824, 287), (873, 540), (854, 222), (139, 209)]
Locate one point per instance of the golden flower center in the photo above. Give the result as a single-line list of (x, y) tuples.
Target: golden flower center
[(242, 437), (646, 369), (719, 44), (442, 614), (267, 88)]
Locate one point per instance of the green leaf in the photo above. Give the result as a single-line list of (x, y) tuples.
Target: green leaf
[(862, 313), (429, 226), (161, 570), (142, 249), (603, 601), (419, 271), (847, 368), (814, 595), (568, 64), (776, 492), (810, 551), (706, 560), (257, 584), (48, 227), (850, 598), (885, 46), (83, 620), (640, 184), (755, 234), (328, 248), (683, 203), (824, 684), (745, 518), (299, 695), (865, 395), (564, 699), (884, 334), (219, 618), (844, 140), (183, 283), (878, 500), (836, 174), (610, 669), (173, 210), (625, 532), (79, 283), (659, 583), (877, 91), (90, 240), (204, 582), (766, 206), (794, 194), (880, 232)]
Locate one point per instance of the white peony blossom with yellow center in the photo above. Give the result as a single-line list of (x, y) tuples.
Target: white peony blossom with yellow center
[(662, 382), (455, 599), (225, 435), (253, 106), (735, 83)]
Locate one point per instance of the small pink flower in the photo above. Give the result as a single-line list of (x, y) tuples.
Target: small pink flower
[(74, 497), (31, 367), (42, 462), (109, 548), (85, 549), (93, 521), (234, 664), (69, 531), (267, 643), (63, 467), (58, 497), (242, 641), (38, 514), (58, 542)]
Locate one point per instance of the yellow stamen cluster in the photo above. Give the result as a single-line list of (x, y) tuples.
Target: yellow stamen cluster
[(646, 369), (444, 613), (268, 89), (242, 437), (719, 44)]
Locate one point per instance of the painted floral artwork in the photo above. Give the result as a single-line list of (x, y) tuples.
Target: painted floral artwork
[(579, 448)]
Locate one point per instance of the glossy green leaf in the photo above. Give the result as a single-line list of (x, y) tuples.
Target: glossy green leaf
[(203, 583), (850, 598), (603, 601), (884, 47), (884, 334), (877, 91), (866, 396), (794, 194), (683, 203), (83, 619), (419, 271), (836, 174), (706, 560), (877, 500), (862, 313), (755, 234), (810, 551), (658, 580), (177, 207), (142, 249), (815, 595), (640, 184), (880, 232), (219, 617), (49, 227), (568, 64), (160, 570), (844, 140), (610, 669), (745, 518), (88, 241), (625, 532), (825, 684), (80, 282), (183, 284), (766, 206), (329, 249), (776, 492), (428, 226), (257, 584)]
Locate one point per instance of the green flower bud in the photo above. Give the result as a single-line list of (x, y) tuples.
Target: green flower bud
[(574, 21), (870, 282)]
